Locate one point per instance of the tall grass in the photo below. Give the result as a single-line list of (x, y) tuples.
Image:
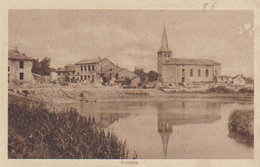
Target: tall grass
[(34, 132)]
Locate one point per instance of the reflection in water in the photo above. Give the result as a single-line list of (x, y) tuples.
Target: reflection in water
[(179, 129), (170, 114), (247, 141)]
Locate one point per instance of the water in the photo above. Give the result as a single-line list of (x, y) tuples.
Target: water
[(172, 130)]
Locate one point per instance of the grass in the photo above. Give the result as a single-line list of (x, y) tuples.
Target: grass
[(34, 132), (242, 122)]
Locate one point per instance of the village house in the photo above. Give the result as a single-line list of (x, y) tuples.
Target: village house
[(239, 80), (91, 70), (19, 67), (223, 79), (175, 71), (67, 73), (122, 74)]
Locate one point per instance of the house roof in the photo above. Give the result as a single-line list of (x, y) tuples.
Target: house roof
[(191, 61), (67, 68), (88, 61), (240, 75), (225, 76), (16, 55)]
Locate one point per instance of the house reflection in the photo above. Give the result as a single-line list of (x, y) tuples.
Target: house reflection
[(178, 113)]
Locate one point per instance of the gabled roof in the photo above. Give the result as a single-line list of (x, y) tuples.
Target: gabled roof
[(225, 76), (240, 75), (88, 61), (67, 68), (16, 55), (191, 61)]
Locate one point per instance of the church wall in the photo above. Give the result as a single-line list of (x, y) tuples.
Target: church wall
[(195, 74), (217, 69), (168, 74)]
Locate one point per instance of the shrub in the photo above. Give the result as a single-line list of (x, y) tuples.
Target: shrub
[(25, 92), (220, 89), (34, 132), (242, 122), (246, 90)]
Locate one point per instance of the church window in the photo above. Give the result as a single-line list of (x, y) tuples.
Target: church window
[(21, 63), (199, 73), (207, 72), (191, 72), (183, 72)]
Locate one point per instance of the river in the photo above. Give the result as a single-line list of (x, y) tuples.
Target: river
[(172, 130)]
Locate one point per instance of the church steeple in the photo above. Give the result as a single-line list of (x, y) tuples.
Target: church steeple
[(164, 44)]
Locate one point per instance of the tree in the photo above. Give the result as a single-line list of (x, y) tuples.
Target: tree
[(42, 67), (140, 73), (152, 76), (127, 81)]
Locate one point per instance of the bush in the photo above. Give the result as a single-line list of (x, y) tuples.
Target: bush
[(242, 122), (34, 132), (246, 90), (220, 89)]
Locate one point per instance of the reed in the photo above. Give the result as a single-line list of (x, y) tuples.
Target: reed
[(35, 132)]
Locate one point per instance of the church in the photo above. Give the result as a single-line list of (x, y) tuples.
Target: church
[(176, 71)]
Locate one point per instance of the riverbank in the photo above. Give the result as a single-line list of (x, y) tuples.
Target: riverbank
[(35, 132), (115, 94)]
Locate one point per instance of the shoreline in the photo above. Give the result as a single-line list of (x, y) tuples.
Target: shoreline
[(92, 95)]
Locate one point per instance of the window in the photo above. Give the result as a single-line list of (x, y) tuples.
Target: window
[(207, 72), (199, 73), (81, 77), (89, 68), (85, 77), (93, 67), (81, 68), (21, 76), (85, 68), (183, 72), (21, 64), (191, 72), (8, 68)]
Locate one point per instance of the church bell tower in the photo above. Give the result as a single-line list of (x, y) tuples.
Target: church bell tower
[(164, 53)]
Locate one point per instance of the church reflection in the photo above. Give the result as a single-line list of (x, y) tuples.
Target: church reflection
[(178, 113)]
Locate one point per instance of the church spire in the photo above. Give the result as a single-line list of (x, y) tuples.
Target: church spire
[(164, 44)]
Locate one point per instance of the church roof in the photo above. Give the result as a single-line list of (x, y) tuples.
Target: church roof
[(191, 61), (16, 55), (164, 44), (88, 61)]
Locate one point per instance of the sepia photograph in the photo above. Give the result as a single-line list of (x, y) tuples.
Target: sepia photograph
[(130, 84)]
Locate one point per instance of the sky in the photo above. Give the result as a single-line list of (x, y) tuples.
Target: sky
[(131, 38)]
